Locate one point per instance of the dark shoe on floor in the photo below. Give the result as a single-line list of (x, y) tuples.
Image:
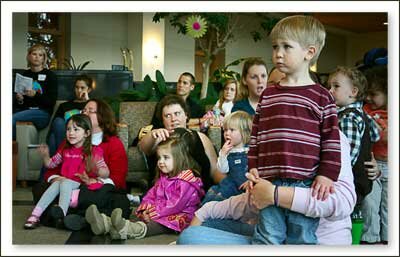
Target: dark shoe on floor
[(75, 222), (58, 215)]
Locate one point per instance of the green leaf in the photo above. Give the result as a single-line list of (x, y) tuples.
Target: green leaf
[(162, 87), (84, 65)]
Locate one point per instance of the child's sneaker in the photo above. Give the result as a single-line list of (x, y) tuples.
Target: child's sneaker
[(32, 222)]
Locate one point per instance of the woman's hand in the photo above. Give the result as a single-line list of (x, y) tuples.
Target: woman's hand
[(85, 178), (248, 185), (56, 179), (321, 187), (372, 169), (84, 96), (195, 222), (262, 193), (160, 134), (20, 98), (30, 92)]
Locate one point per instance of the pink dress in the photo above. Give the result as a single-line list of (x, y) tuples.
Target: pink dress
[(173, 201)]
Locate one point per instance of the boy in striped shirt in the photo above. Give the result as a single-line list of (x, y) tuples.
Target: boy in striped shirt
[(295, 135)]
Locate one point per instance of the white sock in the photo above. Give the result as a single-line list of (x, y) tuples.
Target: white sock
[(133, 198)]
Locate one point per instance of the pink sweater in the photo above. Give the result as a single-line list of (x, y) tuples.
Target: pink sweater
[(335, 223), (173, 201)]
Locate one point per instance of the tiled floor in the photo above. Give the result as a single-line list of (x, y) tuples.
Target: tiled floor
[(22, 206)]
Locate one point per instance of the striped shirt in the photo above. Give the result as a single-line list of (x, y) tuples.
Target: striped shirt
[(353, 126), (295, 134)]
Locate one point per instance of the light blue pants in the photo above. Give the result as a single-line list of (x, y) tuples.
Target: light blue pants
[(201, 235), (64, 189), (39, 118), (375, 209)]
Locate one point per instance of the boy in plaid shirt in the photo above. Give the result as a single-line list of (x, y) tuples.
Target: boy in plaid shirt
[(348, 86)]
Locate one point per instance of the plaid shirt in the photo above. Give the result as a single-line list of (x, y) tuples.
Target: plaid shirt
[(352, 125)]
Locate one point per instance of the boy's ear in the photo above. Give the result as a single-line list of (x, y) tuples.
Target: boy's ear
[(311, 50), (354, 92)]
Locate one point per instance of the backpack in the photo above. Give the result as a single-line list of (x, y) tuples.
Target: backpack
[(362, 184)]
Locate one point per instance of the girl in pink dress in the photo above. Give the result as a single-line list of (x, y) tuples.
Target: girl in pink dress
[(80, 162), (168, 206)]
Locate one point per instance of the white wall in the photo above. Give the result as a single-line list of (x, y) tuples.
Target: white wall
[(244, 46), (19, 41), (179, 53), (98, 37), (134, 31)]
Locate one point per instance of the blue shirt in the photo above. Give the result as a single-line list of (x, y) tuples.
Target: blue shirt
[(243, 105)]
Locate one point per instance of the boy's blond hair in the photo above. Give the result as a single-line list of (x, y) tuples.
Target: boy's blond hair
[(242, 121), (306, 30), (37, 47), (356, 77)]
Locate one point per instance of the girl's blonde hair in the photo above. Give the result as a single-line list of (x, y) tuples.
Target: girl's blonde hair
[(182, 160), (37, 47), (243, 90), (305, 30), (356, 77), (242, 121), (221, 94)]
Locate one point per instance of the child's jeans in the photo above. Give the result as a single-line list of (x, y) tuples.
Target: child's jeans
[(281, 226), (375, 209)]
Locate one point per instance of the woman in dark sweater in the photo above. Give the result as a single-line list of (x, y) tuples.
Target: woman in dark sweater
[(36, 104)]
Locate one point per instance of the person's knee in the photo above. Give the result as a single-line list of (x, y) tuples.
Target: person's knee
[(186, 237)]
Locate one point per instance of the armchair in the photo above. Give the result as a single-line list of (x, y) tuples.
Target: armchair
[(135, 115), (29, 161)]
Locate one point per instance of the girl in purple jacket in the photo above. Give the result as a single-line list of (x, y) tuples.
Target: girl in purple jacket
[(168, 206)]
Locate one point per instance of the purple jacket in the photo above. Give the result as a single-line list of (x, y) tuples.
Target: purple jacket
[(173, 201)]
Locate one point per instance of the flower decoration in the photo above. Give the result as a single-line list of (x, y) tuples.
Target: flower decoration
[(196, 26)]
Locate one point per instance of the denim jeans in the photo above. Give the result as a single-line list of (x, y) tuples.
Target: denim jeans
[(201, 235), (39, 118), (281, 226), (375, 209), (233, 226), (229, 186), (57, 134)]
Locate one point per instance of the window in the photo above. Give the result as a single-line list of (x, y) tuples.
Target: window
[(49, 29)]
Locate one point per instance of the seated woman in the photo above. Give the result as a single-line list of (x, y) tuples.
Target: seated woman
[(112, 195), (82, 88), (232, 221), (174, 114)]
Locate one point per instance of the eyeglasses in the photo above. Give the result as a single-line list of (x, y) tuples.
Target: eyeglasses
[(88, 111)]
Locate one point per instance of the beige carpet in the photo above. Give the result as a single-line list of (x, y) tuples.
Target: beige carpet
[(52, 236)]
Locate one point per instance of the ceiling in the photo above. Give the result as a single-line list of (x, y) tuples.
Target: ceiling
[(354, 22)]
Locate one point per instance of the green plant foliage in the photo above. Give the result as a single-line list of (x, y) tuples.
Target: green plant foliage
[(222, 74), (161, 86), (70, 64)]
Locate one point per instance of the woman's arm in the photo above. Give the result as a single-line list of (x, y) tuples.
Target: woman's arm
[(212, 157), (236, 207), (338, 205), (150, 141)]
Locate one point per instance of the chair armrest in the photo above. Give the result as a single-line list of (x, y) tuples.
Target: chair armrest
[(122, 131), (215, 135)]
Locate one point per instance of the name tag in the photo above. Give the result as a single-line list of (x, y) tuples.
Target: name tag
[(42, 77), (238, 161)]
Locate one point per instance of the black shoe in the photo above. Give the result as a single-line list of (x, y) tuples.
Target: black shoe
[(75, 222), (58, 215)]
